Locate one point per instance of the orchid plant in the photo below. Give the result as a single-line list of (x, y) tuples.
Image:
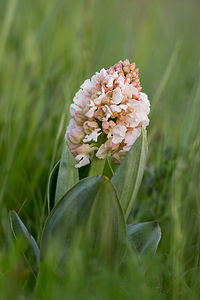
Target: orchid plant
[(93, 188)]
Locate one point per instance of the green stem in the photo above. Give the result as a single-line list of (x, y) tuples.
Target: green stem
[(97, 166)]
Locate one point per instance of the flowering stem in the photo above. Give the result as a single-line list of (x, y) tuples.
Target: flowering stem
[(97, 166)]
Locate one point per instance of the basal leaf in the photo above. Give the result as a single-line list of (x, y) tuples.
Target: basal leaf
[(67, 174), (19, 230), (91, 206), (52, 186), (106, 224), (127, 178), (144, 237)]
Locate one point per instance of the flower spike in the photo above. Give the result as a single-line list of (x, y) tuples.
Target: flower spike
[(107, 114)]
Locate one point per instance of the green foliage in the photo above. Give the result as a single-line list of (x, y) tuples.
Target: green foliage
[(52, 186), (90, 206), (144, 237), (96, 166), (67, 174), (128, 177), (90, 210), (31, 248)]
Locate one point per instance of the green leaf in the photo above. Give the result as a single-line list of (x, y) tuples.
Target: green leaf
[(106, 225), (67, 174), (128, 177), (144, 237), (91, 206), (110, 167), (113, 166), (52, 186), (19, 230)]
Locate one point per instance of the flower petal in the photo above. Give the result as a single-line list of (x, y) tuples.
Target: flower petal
[(117, 96)]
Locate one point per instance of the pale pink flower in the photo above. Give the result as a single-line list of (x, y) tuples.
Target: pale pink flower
[(117, 96), (107, 115), (103, 151), (117, 134)]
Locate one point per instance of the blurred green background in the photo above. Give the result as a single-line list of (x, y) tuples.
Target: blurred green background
[(47, 49)]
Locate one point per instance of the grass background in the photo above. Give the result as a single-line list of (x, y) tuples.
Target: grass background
[(47, 49)]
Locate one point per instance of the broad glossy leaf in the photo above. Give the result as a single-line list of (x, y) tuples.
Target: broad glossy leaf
[(52, 186), (20, 231), (91, 206), (144, 237), (106, 225), (128, 177), (67, 174)]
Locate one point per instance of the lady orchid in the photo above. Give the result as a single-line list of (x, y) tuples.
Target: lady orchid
[(107, 114)]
